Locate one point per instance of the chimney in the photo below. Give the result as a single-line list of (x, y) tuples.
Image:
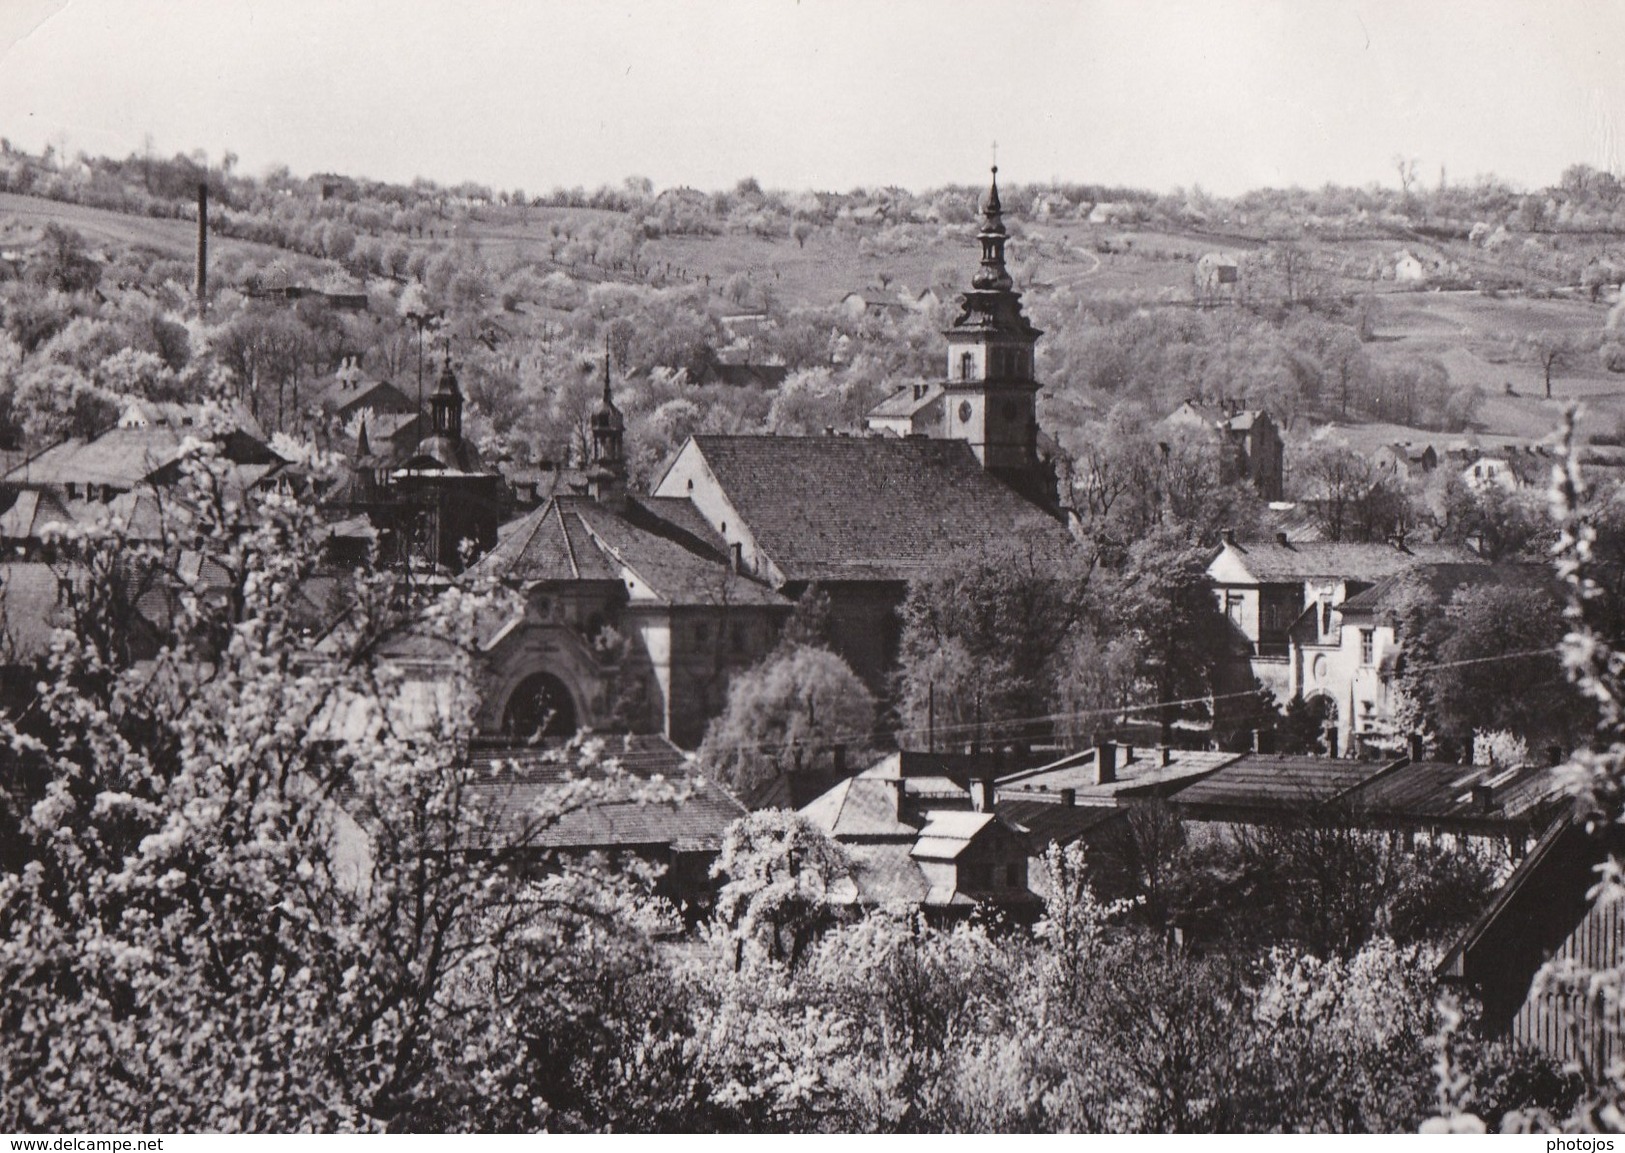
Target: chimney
[(1258, 740), (795, 757), (829, 430), (736, 557), (1417, 751), (1230, 537), (898, 792), (1106, 763), (1554, 755), (1484, 796), (1167, 755), (1069, 797), (838, 758), (982, 792), (1280, 539), (1128, 754), (202, 246)]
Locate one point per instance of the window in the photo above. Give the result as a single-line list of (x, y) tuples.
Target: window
[(1233, 603), (1325, 616), (1368, 646), (967, 363)]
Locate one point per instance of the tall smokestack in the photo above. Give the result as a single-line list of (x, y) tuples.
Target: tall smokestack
[(202, 246)]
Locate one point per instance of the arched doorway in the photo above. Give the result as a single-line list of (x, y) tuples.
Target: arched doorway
[(1309, 726), (540, 707), (1323, 719)]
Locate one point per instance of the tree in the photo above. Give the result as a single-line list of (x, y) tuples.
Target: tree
[(62, 262), (1164, 604), (982, 637), (779, 867), (250, 887), (1552, 352), (790, 711)]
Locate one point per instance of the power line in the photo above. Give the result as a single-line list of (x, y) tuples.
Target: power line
[(983, 727)]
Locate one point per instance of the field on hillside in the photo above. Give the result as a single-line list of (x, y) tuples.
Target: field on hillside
[(25, 217)]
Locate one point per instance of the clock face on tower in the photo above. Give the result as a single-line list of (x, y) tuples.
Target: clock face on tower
[(965, 411)]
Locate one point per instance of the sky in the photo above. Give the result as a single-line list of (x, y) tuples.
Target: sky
[(830, 94)]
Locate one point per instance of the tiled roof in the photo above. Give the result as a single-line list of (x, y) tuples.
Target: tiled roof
[(516, 785), (1427, 790), (1444, 579), (663, 541), (31, 512), (1270, 561), (865, 508), (29, 609), (904, 402), (379, 395), (1287, 784), (1047, 821), (1145, 774), (860, 807), (793, 790), (882, 873)]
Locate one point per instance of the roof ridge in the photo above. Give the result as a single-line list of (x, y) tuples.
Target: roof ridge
[(569, 545), (616, 555)]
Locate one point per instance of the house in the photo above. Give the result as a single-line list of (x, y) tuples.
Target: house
[(1490, 472), (1109, 775), (914, 410), (1048, 204), (1248, 442), (1404, 461), (922, 840), (1521, 957), (1087, 797), (1343, 656), (22, 524), (876, 301), (1264, 587), (1217, 273), (137, 454), (1499, 809), (1408, 269), (349, 394), (1263, 789)]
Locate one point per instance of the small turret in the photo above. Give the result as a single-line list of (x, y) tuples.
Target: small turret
[(446, 404), (606, 479)]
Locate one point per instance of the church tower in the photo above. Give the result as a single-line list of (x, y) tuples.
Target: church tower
[(990, 395), (606, 479)]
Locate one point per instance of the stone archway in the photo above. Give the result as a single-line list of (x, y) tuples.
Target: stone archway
[(1322, 711), (540, 706)]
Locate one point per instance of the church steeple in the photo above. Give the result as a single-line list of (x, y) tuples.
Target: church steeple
[(446, 404), (992, 276), (990, 394), (606, 480)]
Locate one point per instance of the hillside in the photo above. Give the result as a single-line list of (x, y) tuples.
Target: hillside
[(1448, 293)]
